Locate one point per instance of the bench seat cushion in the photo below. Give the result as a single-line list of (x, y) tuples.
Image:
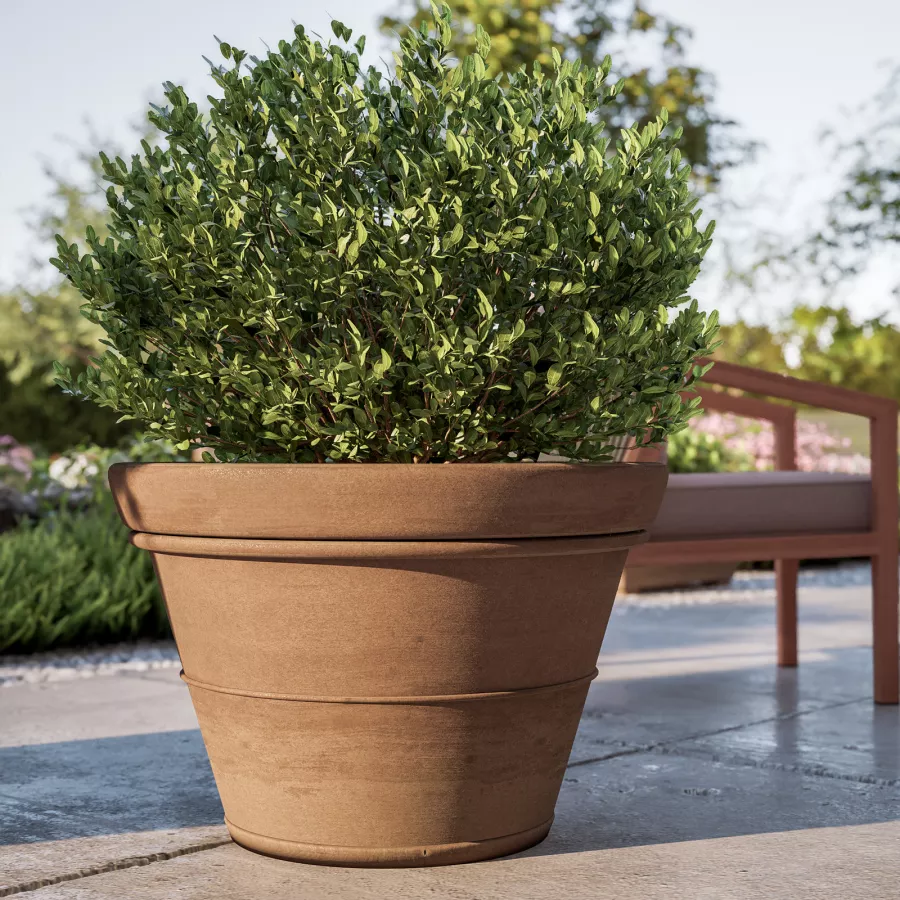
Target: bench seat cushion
[(743, 504)]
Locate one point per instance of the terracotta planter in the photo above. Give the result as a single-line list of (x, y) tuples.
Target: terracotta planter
[(388, 662)]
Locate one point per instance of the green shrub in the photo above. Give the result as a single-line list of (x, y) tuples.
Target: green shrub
[(73, 579), (335, 265), (691, 451)]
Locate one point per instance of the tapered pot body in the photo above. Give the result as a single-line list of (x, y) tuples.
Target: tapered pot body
[(388, 662)]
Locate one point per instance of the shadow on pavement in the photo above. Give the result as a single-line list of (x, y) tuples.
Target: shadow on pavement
[(114, 785)]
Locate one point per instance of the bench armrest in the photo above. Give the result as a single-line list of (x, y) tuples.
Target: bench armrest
[(880, 411)]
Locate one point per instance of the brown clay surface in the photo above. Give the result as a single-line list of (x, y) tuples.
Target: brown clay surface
[(409, 783), (347, 501), (390, 626)]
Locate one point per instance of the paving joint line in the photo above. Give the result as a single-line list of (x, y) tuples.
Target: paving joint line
[(615, 754), (661, 746), (769, 765), (128, 862)]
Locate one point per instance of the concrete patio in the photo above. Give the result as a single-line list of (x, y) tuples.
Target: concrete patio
[(700, 771)]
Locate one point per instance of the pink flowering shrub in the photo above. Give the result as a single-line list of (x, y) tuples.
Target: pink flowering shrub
[(818, 450), (15, 461)]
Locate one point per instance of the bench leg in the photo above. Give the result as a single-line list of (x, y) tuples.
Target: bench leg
[(786, 571), (885, 647)]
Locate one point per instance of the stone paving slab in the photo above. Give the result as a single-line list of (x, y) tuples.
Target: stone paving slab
[(115, 785), (853, 741), (653, 797), (93, 708), (101, 770), (639, 827), (675, 673), (737, 641), (693, 706), (26, 867)]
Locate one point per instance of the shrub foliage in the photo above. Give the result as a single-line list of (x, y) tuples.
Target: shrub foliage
[(73, 579), (332, 264)]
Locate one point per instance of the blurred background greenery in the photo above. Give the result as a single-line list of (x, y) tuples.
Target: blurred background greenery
[(39, 314), (54, 448)]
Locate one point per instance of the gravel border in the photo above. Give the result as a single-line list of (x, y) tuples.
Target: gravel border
[(69, 665), (749, 586)]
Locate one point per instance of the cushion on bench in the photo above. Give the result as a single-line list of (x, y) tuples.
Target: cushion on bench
[(742, 504)]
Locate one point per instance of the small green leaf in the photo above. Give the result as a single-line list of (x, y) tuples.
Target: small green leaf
[(551, 236), (455, 236)]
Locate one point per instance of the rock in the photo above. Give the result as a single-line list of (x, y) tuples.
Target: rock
[(53, 494), (15, 506)]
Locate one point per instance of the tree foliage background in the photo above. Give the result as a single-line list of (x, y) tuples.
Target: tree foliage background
[(858, 222), (41, 322), (650, 53), (821, 343), (864, 213)]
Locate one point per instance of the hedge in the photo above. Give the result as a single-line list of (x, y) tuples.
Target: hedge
[(72, 579)]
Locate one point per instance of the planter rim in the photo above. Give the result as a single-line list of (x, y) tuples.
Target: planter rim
[(387, 502)]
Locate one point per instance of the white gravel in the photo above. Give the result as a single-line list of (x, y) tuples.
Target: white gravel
[(145, 656), (751, 586), (67, 665)]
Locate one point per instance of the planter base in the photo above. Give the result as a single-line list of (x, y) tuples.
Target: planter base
[(390, 857)]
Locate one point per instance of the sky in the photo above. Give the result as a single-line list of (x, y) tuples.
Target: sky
[(785, 69)]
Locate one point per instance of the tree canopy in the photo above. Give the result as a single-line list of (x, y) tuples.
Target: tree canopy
[(864, 213), (650, 53), (826, 344), (40, 322)]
